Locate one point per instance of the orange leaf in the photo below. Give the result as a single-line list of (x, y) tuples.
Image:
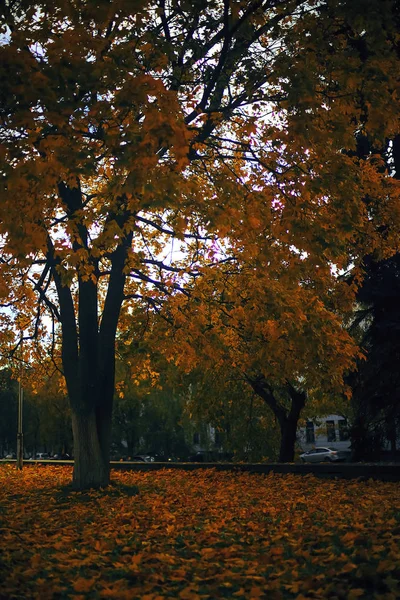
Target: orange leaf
[(83, 585)]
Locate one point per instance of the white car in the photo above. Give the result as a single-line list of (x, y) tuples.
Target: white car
[(42, 456), (320, 455)]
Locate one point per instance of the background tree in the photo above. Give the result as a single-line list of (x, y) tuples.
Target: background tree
[(8, 412), (375, 384), (375, 326), (47, 417), (339, 207), (149, 410), (122, 128), (244, 427), (102, 110), (279, 332)]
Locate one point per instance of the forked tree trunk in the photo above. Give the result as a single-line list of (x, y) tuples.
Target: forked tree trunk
[(289, 424), (287, 418), (88, 344)]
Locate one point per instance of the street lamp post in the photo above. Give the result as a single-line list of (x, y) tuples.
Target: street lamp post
[(20, 435)]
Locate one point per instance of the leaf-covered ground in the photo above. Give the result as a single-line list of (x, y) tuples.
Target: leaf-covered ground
[(201, 534)]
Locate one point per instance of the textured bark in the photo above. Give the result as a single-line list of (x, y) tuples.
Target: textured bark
[(91, 469), (88, 347)]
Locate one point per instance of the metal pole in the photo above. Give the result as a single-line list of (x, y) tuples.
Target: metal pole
[(20, 435)]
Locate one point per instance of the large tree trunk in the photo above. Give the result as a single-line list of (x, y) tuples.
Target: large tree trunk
[(289, 426), (288, 429), (91, 468), (287, 418), (88, 345), (91, 425)]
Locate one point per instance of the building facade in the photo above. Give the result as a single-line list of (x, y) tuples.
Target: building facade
[(331, 431)]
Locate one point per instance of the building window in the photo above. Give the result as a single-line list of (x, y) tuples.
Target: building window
[(310, 433), (330, 430), (343, 431), (196, 438)]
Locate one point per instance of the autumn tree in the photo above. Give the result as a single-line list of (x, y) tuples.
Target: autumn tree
[(244, 426), (171, 384), (125, 126), (278, 311), (47, 416), (103, 107), (149, 403), (278, 333)]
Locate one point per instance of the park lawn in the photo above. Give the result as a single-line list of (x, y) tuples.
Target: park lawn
[(197, 534)]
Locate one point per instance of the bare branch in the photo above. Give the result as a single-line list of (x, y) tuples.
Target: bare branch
[(170, 231)]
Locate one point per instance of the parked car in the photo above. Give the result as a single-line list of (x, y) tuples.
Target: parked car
[(321, 455), (42, 456), (142, 458), (61, 457)]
